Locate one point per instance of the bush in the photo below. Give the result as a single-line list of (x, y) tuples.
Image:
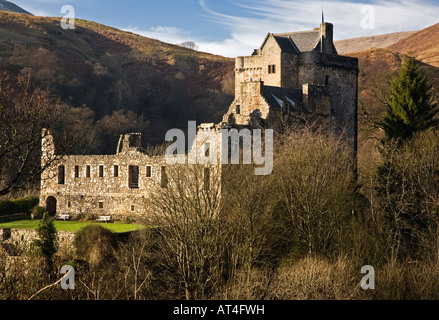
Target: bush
[(22, 205), (94, 244), (315, 278), (38, 212)]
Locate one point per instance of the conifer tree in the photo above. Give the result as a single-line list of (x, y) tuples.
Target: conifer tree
[(410, 105), (48, 238)]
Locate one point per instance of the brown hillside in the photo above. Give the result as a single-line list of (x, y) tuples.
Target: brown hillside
[(366, 43), (424, 44), (107, 70)]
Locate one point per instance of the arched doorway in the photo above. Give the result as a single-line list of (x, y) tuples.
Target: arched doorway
[(51, 205)]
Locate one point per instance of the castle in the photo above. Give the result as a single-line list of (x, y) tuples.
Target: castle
[(290, 75)]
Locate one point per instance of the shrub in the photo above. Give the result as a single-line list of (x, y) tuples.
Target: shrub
[(314, 278), (22, 205), (94, 244), (38, 212)]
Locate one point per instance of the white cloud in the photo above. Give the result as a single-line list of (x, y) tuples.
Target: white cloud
[(246, 33), (166, 34)]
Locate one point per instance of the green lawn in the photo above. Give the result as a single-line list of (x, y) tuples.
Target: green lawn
[(71, 226)]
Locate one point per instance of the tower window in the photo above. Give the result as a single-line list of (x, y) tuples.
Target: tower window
[(148, 171), (101, 171), (101, 205), (61, 174), (133, 177), (207, 149), (272, 68), (327, 80), (116, 171), (76, 171), (238, 109)]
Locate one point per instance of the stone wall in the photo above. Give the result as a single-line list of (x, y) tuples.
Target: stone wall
[(24, 238), (116, 185)]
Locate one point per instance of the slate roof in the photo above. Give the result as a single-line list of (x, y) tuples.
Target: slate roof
[(276, 96), (286, 45), (305, 41)]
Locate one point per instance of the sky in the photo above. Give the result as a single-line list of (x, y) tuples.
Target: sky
[(235, 27)]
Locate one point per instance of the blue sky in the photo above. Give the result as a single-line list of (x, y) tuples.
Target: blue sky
[(235, 27)]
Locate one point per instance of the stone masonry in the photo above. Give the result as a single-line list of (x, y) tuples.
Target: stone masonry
[(294, 74)]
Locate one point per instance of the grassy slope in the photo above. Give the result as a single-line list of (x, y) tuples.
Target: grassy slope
[(70, 226)]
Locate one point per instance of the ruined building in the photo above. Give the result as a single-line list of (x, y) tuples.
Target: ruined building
[(291, 74)]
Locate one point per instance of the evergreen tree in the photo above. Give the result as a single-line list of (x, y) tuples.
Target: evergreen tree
[(48, 238), (410, 106)]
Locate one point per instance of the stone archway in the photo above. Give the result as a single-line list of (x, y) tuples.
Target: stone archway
[(51, 205)]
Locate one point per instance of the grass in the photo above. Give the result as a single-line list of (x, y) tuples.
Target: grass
[(70, 226)]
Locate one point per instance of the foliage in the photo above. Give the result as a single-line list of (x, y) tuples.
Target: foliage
[(48, 238), (38, 212), (410, 106), (22, 205), (93, 243)]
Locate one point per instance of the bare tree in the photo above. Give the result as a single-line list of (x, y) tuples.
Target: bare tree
[(186, 213), (24, 114), (315, 186)]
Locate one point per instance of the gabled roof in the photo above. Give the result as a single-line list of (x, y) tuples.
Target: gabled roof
[(305, 41), (285, 44)]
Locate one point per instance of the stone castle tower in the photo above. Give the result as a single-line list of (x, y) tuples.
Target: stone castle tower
[(296, 73), (292, 74)]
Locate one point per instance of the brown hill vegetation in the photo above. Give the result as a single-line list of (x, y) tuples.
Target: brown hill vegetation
[(105, 70), (366, 43), (424, 44)]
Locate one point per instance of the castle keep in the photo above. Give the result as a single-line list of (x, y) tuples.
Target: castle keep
[(292, 74)]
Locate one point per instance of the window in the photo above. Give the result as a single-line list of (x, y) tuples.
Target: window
[(133, 176), (207, 149), (116, 171), (101, 205), (61, 174), (148, 171), (76, 171), (87, 171), (272, 68), (69, 204), (132, 208), (101, 171), (164, 178), (327, 80), (238, 109)]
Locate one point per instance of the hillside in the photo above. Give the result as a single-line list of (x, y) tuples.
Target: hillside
[(366, 43), (377, 67), (106, 70), (424, 44), (10, 7)]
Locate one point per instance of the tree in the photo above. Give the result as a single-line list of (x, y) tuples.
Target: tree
[(186, 213), (410, 105), (189, 44), (24, 113), (316, 188), (48, 238)]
